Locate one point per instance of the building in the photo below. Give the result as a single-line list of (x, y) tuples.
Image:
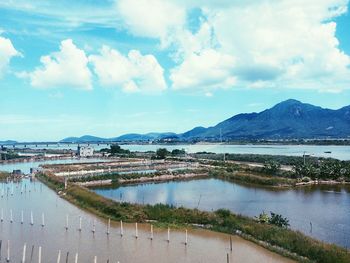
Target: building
[(85, 151)]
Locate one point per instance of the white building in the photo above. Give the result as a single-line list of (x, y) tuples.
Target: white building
[(85, 151)]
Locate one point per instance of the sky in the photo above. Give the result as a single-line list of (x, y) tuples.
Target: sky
[(110, 67)]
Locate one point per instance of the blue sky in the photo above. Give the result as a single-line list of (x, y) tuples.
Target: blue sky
[(69, 68)]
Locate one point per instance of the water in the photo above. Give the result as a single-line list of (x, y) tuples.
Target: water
[(338, 152), (25, 166), (326, 207), (204, 246)]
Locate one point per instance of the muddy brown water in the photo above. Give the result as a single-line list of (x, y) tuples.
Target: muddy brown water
[(203, 245)]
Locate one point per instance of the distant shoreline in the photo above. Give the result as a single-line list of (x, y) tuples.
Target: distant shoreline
[(311, 142)]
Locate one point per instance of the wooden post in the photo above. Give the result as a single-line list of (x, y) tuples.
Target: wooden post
[(76, 258), (230, 243), (108, 226), (136, 231), (8, 251), (228, 258), (168, 235), (59, 256), (31, 254), (66, 222), (39, 260), (151, 232), (2, 215), (31, 218), (186, 240), (24, 253), (42, 220), (121, 228), (67, 257), (93, 227), (80, 223), (11, 216), (22, 217)]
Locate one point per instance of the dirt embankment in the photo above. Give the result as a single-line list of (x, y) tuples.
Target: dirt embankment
[(144, 179)]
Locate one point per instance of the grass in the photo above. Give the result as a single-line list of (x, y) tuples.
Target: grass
[(222, 220)]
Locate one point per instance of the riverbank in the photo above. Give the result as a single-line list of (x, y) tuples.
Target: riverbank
[(222, 220)]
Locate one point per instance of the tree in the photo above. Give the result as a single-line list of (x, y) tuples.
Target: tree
[(263, 218), (271, 167), (116, 149), (162, 153), (278, 220), (178, 152)]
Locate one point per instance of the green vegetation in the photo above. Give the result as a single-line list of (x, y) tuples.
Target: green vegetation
[(4, 175), (221, 220), (256, 158), (273, 219), (251, 178), (116, 150), (115, 177), (161, 153), (325, 170), (9, 155), (310, 167)]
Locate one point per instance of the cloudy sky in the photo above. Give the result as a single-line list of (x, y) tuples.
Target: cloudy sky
[(108, 67)]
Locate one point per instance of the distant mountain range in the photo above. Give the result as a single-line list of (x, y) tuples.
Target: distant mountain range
[(8, 142), (290, 119)]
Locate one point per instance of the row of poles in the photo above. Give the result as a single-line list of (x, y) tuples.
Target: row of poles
[(24, 257), (6, 191), (22, 217), (93, 230), (122, 229)]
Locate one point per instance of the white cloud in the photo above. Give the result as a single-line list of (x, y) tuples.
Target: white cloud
[(66, 68), (7, 51), (133, 73), (208, 70), (290, 43), (282, 44), (151, 18)]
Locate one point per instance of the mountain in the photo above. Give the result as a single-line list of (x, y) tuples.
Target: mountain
[(85, 138), (290, 119), (287, 120), (8, 142), (125, 137)]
